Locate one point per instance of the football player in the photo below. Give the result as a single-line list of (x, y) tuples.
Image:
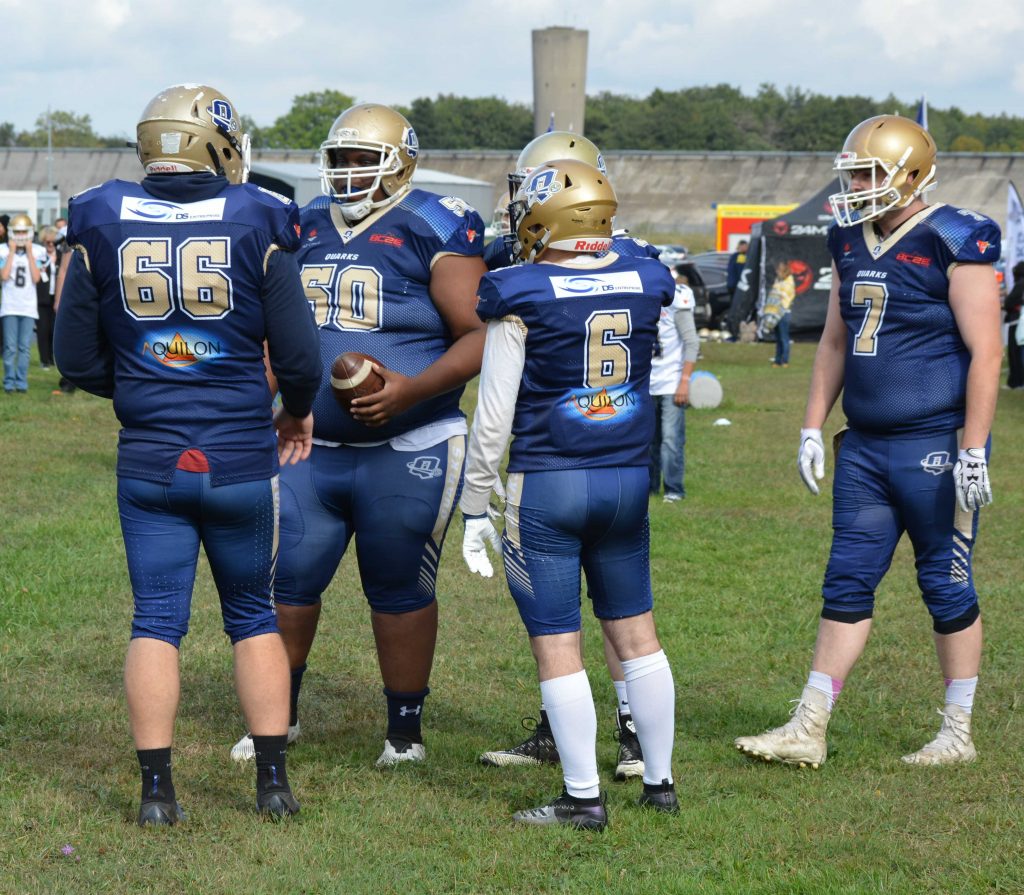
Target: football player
[(911, 339), (390, 271), (539, 746), (566, 368), (22, 266), (174, 287)]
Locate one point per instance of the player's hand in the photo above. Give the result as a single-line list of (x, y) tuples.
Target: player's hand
[(810, 459), (397, 396), (294, 436), (970, 478), (478, 534)]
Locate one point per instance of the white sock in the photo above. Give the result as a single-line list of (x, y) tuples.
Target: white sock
[(830, 686), (960, 691), (652, 697), (621, 697), (570, 707)]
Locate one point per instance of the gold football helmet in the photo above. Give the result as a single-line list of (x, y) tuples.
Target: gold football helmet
[(893, 149), (373, 128), (20, 230), (564, 204), (553, 145), (191, 127)]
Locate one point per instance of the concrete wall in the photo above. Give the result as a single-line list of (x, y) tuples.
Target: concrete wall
[(664, 191), (559, 79)]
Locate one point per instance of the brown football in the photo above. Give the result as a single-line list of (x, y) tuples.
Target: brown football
[(353, 376)]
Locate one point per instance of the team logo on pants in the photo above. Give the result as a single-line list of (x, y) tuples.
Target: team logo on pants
[(425, 467), (937, 462)]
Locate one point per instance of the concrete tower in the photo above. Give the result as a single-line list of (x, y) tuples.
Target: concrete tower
[(559, 79)]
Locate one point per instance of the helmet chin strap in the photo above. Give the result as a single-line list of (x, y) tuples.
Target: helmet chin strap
[(354, 212), (218, 167)]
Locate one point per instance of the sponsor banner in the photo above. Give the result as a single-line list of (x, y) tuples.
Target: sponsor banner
[(158, 211), (597, 284)]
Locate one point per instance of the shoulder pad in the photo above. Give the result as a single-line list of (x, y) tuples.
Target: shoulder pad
[(971, 237), (320, 203)]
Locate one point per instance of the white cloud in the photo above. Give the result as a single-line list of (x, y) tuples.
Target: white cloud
[(107, 58)]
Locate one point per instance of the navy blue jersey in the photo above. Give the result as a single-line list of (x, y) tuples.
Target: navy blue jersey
[(628, 247), (178, 278), (906, 365), (369, 286), (497, 254), (590, 332)]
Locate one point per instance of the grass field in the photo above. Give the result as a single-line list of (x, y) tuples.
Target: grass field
[(737, 573)]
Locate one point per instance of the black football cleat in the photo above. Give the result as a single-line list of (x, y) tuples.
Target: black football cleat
[(660, 797), (277, 804), (581, 814), (153, 813), (538, 748), (630, 760)]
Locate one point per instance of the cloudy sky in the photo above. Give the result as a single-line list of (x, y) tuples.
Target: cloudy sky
[(107, 58)]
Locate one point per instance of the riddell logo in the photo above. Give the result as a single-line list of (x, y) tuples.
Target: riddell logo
[(919, 260), (388, 239), (592, 245), (180, 352)]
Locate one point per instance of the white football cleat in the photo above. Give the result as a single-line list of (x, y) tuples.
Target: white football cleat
[(800, 741), (399, 751), (244, 750), (952, 744)]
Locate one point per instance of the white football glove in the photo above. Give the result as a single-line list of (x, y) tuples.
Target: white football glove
[(970, 478), (811, 458), (479, 532)]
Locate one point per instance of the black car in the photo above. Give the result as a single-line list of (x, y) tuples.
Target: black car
[(707, 273)]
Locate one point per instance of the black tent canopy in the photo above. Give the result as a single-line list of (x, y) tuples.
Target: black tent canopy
[(798, 237)]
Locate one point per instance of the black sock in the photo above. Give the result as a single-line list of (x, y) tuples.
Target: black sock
[(297, 673), (583, 803), (271, 772), (544, 725), (155, 764), (405, 712)]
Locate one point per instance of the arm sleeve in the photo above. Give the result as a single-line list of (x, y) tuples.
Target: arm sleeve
[(502, 371), (80, 346), (293, 343), (687, 329)]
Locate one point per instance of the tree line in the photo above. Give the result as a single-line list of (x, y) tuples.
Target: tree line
[(706, 118)]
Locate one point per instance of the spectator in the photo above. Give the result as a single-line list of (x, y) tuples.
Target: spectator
[(45, 290), (781, 296), (675, 353), (64, 253), (1012, 307), (735, 270), (21, 262)]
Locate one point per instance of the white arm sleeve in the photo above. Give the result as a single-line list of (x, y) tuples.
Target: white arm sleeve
[(500, 375)]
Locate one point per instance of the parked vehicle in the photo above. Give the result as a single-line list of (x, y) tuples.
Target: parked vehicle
[(671, 256), (707, 273)]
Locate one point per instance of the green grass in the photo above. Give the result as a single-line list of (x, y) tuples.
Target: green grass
[(737, 573)]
